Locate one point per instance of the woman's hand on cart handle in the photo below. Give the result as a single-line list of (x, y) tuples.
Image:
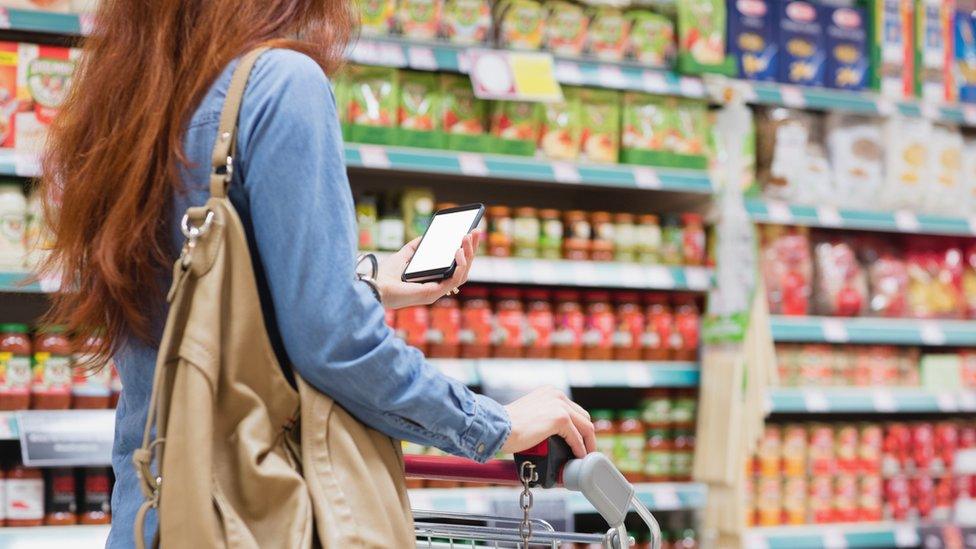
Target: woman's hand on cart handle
[(397, 294), (546, 412)]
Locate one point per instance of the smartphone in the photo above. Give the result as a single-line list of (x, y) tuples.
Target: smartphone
[(434, 259)]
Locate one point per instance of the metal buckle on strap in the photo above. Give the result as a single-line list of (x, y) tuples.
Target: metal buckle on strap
[(193, 232), (227, 170)]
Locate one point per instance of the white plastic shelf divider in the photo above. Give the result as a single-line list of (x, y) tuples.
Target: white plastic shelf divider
[(892, 331), (54, 537), (870, 400), (580, 373), (854, 536)]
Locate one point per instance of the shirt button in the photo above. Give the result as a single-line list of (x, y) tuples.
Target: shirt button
[(481, 448)]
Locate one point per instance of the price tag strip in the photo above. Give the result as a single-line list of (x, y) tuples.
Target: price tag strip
[(66, 438), (779, 212)]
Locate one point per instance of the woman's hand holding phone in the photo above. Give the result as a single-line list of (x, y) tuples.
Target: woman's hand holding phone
[(545, 412), (397, 294)]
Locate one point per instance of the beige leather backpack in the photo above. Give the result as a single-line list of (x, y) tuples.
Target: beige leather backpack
[(238, 458)]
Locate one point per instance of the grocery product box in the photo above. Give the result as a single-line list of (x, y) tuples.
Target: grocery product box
[(419, 111), (39, 5), (702, 28), (371, 105), (663, 131), (802, 47), (515, 127), (465, 117), (846, 37), (752, 38), (891, 45), (964, 52), (934, 50), (466, 21)]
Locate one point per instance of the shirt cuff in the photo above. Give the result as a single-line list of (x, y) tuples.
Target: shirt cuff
[(488, 432)]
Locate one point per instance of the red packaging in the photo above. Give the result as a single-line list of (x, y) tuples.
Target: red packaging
[(946, 444), (846, 448), (794, 500), (897, 498), (841, 285), (412, 324), (944, 499), (888, 277), (923, 446), (443, 338), (967, 436), (686, 326), (875, 366), (821, 500), (541, 324), (869, 508), (846, 496), (922, 492), (600, 324), (787, 269), (815, 366), (897, 444), (509, 333), (821, 455), (656, 341), (869, 449)]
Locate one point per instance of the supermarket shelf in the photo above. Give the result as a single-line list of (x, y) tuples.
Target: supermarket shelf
[(869, 400), (575, 373), (517, 168), (54, 537), (773, 211), (67, 24), (12, 282), (663, 496), (834, 536), (892, 331), (437, 56)]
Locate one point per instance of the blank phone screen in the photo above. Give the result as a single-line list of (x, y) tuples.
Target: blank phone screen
[(441, 241)]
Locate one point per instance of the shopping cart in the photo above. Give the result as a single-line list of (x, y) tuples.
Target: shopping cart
[(547, 465)]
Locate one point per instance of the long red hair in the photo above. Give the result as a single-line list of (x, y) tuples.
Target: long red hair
[(114, 150)]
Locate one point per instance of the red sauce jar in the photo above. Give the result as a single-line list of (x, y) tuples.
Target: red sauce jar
[(693, 239), (390, 317), (96, 497), (91, 383), (3, 498), (116, 384), (51, 370), (25, 497), (684, 340), (15, 367), (576, 243), (600, 325), (444, 336), (567, 340), (656, 343), (541, 323), (412, 324), (630, 327), (476, 323), (510, 324), (61, 508)]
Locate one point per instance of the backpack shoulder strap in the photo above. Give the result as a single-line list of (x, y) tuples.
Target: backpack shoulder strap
[(222, 163)]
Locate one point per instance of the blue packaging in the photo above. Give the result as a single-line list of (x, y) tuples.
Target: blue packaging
[(964, 68), (846, 45), (752, 38), (802, 55)]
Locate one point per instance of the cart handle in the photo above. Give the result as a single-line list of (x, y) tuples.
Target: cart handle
[(548, 458)]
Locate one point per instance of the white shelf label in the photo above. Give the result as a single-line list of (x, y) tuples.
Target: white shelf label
[(886, 107), (580, 374), (646, 178), (834, 539), (946, 402), (697, 278), (906, 536), (666, 498), (967, 401), (779, 212), (50, 283), (568, 73), (929, 110), (374, 156), (834, 330), (972, 224), (565, 172), (884, 401), (472, 164), (793, 97), (659, 277), (931, 333), (969, 114), (906, 221), (422, 58), (828, 216), (611, 76), (543, 272), (691, 87), (638, 375), (654, 82), (815, 401), (632, 276)]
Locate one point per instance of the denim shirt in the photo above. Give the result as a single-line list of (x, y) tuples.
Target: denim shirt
[(291, 191)]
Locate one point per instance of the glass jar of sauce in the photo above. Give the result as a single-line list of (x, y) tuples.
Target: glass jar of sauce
[(672, 242), (683, 455), (606, 432), (51, 370), (694, 239), (412, 324), (601, 248), (15, 367), (567, 340), (656, 408), (600, 324), (510, 322), (526, 231), (540, 324), (551, 237), (499, 231), (630, 446), (657, 460), (684, 340), (576, 244), (25, 496), (444, 336), (61, 508), (656, 343), (91, 384), (648, 239), (96, 497), (624, 238), (476, 323), (630, 327)]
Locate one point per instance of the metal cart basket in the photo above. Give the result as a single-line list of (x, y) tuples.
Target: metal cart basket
[(546, 466)]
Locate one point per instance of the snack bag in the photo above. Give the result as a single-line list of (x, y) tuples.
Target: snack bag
[(935, 276), (856, 151), (466, 21), (521, 24), (651, 40), (8, 92), (841, 284), (600, 113), (43, 79), (792, 163), (945, 186), (419, 19), (566, 29), (787, 269), (372, 104), (464, 115), (908, 144), (376, 17), (606, 38), (647, 124), (752, 38), (420, 110), (887, 277), (561, 127), (701, 37), (516, 125)]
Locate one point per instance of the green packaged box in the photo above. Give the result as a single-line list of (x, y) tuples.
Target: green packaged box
[(600, 125), (420, 112), (515, 127), (376, 17), (702, 36), (562, 127), (651, 40), (464, 115), (664, 131), (372, 103)]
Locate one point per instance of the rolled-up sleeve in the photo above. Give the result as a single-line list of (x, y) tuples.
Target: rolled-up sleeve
[(291, 163)]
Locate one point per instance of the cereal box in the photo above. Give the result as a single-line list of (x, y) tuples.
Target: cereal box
[(376, 17), (419, 19), (933, 50), (846, 38), (43, 78), (752, 38), (802, 49), (466, 21), (892, 51), (566, 32)]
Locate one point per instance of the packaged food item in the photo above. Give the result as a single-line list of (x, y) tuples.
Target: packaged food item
[(791, 162), (601, 247), (44, 76), (846, 492), (846, 447), (509, 333), (526, 230), (419, 113), (656, 341), (908, 144), (646, 126), (606, 37), (856, 149), (672, 241), (376, 17), (922, 451), (794, 450), (651, 41), (419, 19), (412, 325), (964, 58), (659, 451), (60, 506), (787, 269), (684, 338), (516, 125), (367, 218), (630, 327), (693, 239), (567, 26), (684, 406), (869, 502), (390, 231), (605, 430), (815, 366), (933, 50), (898, 501), (683, 454), (540, 324), (562, 127), (567, 340), (769, 501), (521, 24), (576, 244), (690, 130), (752, 38), (821, 457), (934, 280), (417, 205), (841, 284), (51, 369), (8, 92), (24, 503), (444, 335), (649, 239), (477, 323), (500, 231), (600, 125), (600, 323), (945, 185), (769, 451), (624, 238), (801, 41), (464, 114), (372, 108), (15, 367), (91, 383), (701, 37), (466, 22), (794, 500), (629, 452), (845, 45), (892, 49), (551, 239)]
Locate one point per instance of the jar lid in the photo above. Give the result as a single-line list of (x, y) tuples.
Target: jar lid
[(574, 214), (525, 211), (626, 297), (691, 218), (537, 295), (567, 295), (506, 293), (623, 217), (600, 215), (649, 219), (597, 296), (499, 210), (52, 329), (549, 213), (474, 292), (14, 328), (601, 415), (630, 414)]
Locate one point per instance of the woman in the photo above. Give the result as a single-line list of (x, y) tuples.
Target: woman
[(129, 153)]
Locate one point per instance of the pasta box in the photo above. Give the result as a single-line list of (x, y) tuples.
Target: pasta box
[(846, 37), (803, 55), (933, 50), (892, 53), (964, 67), (752, 38)]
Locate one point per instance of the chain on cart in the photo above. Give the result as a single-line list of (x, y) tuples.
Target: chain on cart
[(545, 466)]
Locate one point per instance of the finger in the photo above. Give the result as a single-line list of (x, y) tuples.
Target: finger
[(578, 409), (571, 434), (467, 246), (585, 428), (475, 240)]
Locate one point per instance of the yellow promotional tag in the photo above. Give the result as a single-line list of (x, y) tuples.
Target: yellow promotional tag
[(535, 77), (514, 76)]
